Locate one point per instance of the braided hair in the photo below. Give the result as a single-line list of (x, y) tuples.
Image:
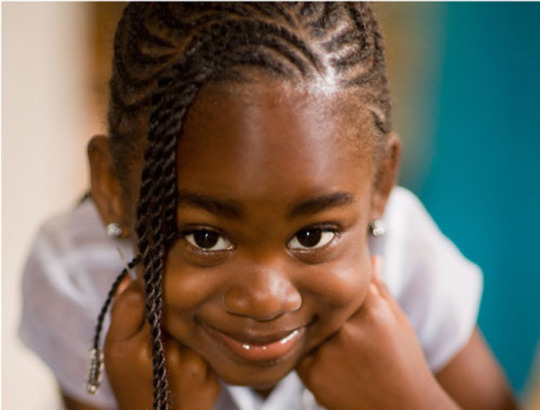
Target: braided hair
[(165, 52)]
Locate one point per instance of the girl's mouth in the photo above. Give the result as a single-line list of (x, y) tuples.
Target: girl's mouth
[(264, 349)]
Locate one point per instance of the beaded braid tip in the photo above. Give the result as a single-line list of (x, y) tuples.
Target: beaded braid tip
[(94, 371)]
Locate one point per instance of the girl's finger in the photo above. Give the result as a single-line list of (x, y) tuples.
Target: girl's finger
[(127, 316), (173, 352), (124, 283), (378, 277), (377, 266), (378, 293), (304, 367), (379, 288), (194, 365)]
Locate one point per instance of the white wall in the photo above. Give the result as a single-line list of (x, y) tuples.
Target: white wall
[(45, 127)]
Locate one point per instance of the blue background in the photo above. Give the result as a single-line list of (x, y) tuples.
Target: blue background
[(482, 185)]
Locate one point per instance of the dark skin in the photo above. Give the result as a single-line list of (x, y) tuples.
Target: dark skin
[(260, 165)]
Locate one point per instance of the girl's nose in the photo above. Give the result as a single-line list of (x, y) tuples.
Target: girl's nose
[(263, 294)]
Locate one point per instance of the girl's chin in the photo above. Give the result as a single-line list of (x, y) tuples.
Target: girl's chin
[(260, 379)]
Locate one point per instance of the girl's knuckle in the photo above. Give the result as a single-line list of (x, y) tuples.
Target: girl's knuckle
[(194, 368)]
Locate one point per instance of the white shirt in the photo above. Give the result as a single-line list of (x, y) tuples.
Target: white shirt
[(73, 263)]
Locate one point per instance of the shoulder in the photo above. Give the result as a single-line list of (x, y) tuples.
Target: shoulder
[(74, 245), (437, 287), (71, 264), (404, 210), (69, 270), (78, 226), (415, 249)]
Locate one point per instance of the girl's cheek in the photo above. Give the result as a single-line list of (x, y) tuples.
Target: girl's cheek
[(185, 292), (187, 288), (342, 287)]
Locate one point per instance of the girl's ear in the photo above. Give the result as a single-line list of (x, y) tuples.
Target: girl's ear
[(105, 187), (386, 175)]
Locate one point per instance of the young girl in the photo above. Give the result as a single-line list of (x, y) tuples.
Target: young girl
[(251, 163)]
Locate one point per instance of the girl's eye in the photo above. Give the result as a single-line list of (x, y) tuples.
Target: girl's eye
[(311, 238), (208, 240)]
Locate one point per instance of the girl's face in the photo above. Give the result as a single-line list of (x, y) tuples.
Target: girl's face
[(276, 191)]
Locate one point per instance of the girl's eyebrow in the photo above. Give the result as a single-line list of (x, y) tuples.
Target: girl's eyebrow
[(230, 209), (321, 203), (225, 208)]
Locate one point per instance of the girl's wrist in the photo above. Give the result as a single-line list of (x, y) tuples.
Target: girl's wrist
[(439, 399)]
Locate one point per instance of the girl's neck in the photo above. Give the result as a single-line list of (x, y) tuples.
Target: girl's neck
[(264, 393)]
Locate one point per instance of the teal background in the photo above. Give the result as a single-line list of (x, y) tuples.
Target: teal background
[(481, 178)]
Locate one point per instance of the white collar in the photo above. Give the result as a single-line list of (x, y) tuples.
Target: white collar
[(290, 394)]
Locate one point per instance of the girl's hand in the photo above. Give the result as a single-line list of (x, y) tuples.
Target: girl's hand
[(374, 361), (128, 361)]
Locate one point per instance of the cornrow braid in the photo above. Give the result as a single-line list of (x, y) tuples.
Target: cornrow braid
[(164, 53)]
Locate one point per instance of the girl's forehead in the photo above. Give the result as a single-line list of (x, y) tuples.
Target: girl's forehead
[(273, 137), (268, 116), (267, 91), (287, 102)]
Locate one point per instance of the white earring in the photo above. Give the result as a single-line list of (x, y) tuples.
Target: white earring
[(377, 228), (114, 230)]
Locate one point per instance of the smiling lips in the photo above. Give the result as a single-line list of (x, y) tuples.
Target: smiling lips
[(255, 349)]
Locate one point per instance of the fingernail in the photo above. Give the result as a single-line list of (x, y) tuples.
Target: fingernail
[(379, 267), (124, 283)]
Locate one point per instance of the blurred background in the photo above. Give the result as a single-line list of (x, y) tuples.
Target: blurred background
[(465, 80)]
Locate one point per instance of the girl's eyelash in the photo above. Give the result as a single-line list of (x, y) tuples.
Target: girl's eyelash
[(205, 240), (325, 226), (315, 238), (184, 232)]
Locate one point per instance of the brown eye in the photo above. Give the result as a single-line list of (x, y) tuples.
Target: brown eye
[(312, 238), (208, 240)]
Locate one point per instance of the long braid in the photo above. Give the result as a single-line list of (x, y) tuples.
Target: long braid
[(108, 301), (96, 359), (164, 54), (155, 206)]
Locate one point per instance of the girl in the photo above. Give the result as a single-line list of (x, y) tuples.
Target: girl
[(250, 161)]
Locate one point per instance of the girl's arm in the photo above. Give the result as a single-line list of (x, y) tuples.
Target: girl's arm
[(375, 361), (475, 380)]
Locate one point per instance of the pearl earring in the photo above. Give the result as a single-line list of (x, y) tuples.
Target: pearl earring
[(377, 228), (114, 230)]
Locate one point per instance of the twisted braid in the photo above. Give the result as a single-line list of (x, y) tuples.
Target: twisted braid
[(110, 296), (157, 205), (94, 372), (165, 53)]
